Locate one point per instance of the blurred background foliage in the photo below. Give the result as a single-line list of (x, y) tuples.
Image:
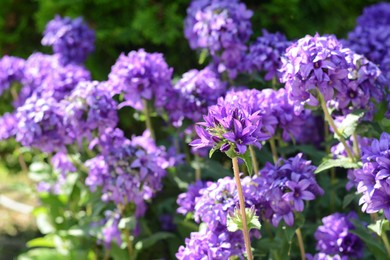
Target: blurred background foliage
[(157, 25)]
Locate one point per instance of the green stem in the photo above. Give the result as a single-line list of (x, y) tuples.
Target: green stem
[(198, 172), (106, 254), (356, 148), (273, 149), (254, 160), (300, 242), (245, 230), (148, 121), (129, 244), (386, 242), (329, 118)]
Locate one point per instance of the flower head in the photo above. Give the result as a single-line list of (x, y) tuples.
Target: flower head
[(72, 39), (141, 75), (11, 69)]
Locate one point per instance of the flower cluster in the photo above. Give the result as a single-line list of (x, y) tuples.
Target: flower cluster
[(373, 179), (11, 69), (284, 187), (371, 36), (89, 107), (365, 85), (126, 171), (141, 76), (40, 124), (8, 123), (70, 38), (265, 54), (45, 76), (193, 93), (230, 128), (312, 63), (222, 27), (187, 200), (212, 205), (335, 239)]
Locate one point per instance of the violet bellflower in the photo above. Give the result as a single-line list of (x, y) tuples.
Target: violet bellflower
[(314, 62), (193, 93), (230, 128), (8, 126), (45, 76), (285, 187), (265, 54), (334, 236), (373, 178), (141, 75), (222, 27), (89, 108), (125, 171), (70, 38), (11, 70), (187, 200), (40, 124)]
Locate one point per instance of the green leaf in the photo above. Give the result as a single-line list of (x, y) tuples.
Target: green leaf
[(203, 55), (212, 151), (248, 161), (348, 199), (380, 226), (373, 245), (151, 240), (343, 162), (349, 124), (42, 254), (46, 241)]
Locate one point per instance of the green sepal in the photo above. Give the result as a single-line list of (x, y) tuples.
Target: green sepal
[(248, 161), (212, 151), (234, 221)]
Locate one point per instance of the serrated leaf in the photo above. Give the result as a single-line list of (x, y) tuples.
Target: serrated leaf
[(151, 240), (349, 124), (344, 162)]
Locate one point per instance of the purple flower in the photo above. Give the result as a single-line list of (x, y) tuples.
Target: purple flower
[(265, 54), (90, 107), (312, 63), (285, 186), (222, 27), (217, 24), (41, 125), (372, 180), (334, 236), (70, 38), (193, 93), (8, 123), (228, 127), (187, 200), (141, 76), (11, 69), (374, 15), (111, 232), (45, 76), (125, 171)]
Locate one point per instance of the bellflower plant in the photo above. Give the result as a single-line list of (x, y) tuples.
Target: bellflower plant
[(141, 76), (70, 38)]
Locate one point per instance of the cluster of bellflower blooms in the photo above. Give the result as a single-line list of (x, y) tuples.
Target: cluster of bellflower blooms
[(265, 54), (141, 76), (222, 27), (193, 93), (334, 239), (60, 107), (70, 38), (275, 194)]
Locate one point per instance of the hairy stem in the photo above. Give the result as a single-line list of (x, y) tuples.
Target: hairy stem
[(148, 121), (273, 149), (300, 242), (331, 122), (254, 160), (245, 230)]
